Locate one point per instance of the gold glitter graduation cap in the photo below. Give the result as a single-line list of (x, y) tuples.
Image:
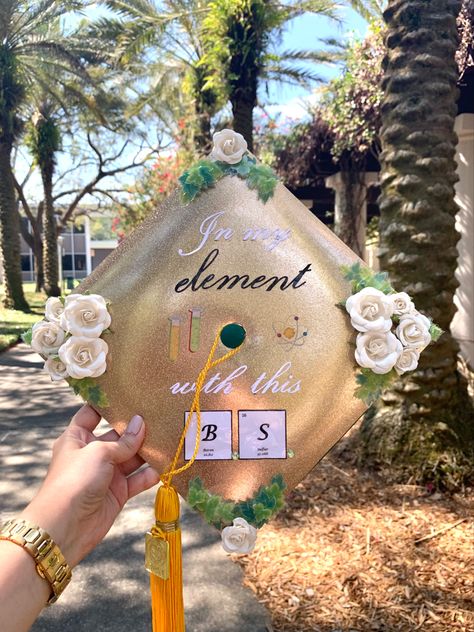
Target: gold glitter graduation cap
[(224, 320), (232, 246)]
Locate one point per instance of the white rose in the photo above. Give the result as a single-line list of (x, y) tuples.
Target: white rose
[(370, 310), (402, 303), (84, 357), (240, 538), (414, 331), (53, 310), (229, 146), (47, 337), (378, 351), (407, 361), (85, 315), (56, 368)]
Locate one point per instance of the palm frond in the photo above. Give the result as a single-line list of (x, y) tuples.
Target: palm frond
[(368, 9), (327, 8), (315, 56), (294, 75)]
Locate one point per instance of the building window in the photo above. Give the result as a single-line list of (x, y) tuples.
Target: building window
[(67, 262), (79, 228), (26, 263), (80, 262)]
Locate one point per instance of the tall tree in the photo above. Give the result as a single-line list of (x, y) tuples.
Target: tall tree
[(423, 425), (162, 46), (241, 56), (44, 143), (33, 53)]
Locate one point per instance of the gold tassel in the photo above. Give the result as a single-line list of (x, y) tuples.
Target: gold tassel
[(163, 556), (164, 561)]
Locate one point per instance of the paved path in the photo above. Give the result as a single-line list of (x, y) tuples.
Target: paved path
[(109, 592)]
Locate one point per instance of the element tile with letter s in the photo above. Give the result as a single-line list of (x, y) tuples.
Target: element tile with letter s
[(262, 434)]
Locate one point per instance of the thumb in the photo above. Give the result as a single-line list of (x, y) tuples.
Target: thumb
[(129, 443)]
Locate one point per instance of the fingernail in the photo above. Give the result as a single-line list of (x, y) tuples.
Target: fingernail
[(135, 425)]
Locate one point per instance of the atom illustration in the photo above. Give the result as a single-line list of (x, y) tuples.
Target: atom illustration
[(290, 334)]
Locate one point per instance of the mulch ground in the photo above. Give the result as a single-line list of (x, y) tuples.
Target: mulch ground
[(353, 554)]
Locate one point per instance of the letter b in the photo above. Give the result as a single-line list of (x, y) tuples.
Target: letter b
[(211, 432)]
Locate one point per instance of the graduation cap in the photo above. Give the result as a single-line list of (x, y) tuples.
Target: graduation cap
[(228, 337)]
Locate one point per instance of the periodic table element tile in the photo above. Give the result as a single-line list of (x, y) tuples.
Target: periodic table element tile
[(262, 434), (216, 436)]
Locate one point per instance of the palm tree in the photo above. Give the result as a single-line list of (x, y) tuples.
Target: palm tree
[(423, 425), (34, 55), (161, 47), (44, 142), (239, 37)]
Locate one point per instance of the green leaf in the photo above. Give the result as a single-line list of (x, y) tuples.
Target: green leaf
[(263, 180), (362, 277), (27, 335), (199, 177), (242, 168), (371, 385), (435, 332), (89, 390)]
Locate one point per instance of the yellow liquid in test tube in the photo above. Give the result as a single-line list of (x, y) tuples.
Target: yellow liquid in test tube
[(175, 329)]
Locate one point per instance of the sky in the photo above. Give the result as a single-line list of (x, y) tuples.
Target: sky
[(289, 102)]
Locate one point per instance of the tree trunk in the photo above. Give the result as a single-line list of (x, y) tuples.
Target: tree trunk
[(349, 212), (50, 247), (39, 268), (242, 111), (423, 426), (203, 138), (10, 234)]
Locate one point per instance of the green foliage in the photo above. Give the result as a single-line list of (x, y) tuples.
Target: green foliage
[(350, 104), (199, 177), (89, 390), (266, 503), (43, 139), (258, 510), (362, 277), (205, 173), (263, 179), (371, 385), (27, 336), (435, 332), (241, 169), (215, 509)]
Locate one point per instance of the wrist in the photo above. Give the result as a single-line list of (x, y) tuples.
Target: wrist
[(46, 511)]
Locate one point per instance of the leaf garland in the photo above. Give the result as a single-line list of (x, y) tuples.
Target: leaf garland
[(199, 177), (362, 277), (89, 390), (258, 510), (205, 173)]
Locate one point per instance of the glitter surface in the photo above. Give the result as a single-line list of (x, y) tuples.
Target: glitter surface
[(144, 364)]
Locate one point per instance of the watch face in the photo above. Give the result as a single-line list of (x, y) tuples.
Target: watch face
[(271, 269)]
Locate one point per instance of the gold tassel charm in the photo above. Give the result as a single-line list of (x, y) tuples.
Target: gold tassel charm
[(163, 560)]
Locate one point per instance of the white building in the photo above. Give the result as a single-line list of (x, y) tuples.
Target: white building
[(83, 245)]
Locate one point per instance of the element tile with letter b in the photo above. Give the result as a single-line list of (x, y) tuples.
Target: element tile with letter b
[(262, 434), (216, 436)]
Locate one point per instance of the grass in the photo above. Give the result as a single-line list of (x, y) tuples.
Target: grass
[(13, 323)]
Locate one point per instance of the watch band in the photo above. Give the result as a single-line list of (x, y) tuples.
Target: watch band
[(50, 562)]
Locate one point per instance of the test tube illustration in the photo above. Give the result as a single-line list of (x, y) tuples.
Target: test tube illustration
[(195, 329), (175, 331)]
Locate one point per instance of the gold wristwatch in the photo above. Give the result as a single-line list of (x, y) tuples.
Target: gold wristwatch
[(50, 562)]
